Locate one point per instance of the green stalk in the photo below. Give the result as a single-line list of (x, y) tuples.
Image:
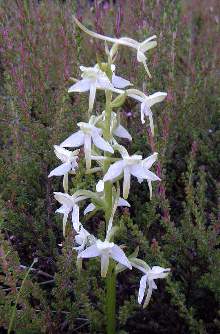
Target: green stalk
[(111, 277), (107, 136), (111, 299)]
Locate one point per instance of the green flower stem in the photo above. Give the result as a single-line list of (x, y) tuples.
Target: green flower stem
[(111, 278), (107, 136), (111, 299), (108, 201)]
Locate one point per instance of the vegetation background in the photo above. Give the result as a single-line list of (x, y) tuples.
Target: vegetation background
[(40, 50)]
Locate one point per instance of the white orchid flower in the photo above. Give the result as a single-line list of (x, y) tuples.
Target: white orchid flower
[(83, 238), (69, 160), (105, 250), (146, 103), (131, 165), (140, 47), (150, 274), (69, 204), (146, 164), (69, 164), (92, 78), (87, 134)]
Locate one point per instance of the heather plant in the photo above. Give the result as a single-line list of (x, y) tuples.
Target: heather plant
[(18, 290)]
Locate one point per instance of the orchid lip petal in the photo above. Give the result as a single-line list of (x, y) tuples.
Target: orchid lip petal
[(65, 182), (150, 188), (151, 124), (92, 96), (126, 182), (142, 288), (104, 264), (87, 150), (75, 218), (149, 294)]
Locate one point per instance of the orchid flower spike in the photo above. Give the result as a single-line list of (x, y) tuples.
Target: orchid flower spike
[(146, 103), (87, 134), (140, 47), (69, 164), (131, 165), (69, 204), (92, 78), (105, 250), (150, 274)]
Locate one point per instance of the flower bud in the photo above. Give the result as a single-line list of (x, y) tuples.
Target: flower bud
[(119, 101)]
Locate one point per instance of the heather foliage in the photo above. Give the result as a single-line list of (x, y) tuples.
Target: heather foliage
[(40, 50)]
